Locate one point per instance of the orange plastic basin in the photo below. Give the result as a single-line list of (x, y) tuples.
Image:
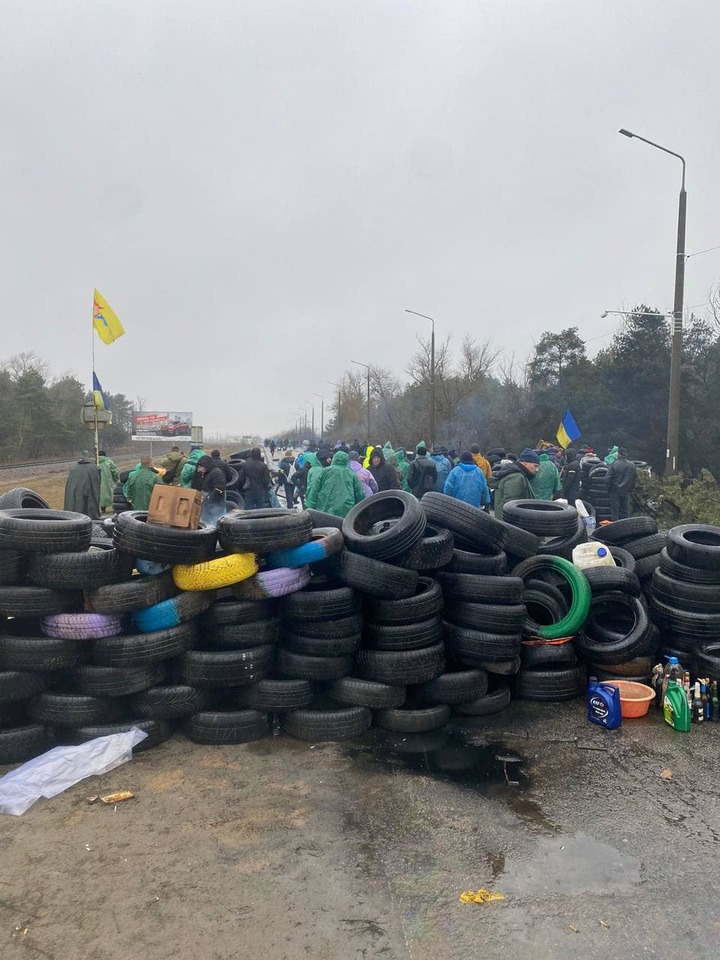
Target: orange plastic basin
[(635, 698)]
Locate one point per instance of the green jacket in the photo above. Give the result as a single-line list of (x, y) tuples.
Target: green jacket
[(546, 481), (139, 485), (173, 464), (403, 466), (188, 470), (109, 476), (337, 488), (316, 468), (82, 490), (515, 485)]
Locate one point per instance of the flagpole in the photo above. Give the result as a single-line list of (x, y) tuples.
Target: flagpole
[(97, 438)]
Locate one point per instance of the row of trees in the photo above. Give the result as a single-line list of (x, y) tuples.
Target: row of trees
[(40, 415), (618, 396)]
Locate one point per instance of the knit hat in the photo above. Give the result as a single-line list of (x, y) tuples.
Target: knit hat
[(528, 456), (543, 458), (466, 457)]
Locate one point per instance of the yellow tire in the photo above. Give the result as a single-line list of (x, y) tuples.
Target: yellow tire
[(213, 574)]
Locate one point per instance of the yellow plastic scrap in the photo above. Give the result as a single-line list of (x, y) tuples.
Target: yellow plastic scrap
[(481, 896)]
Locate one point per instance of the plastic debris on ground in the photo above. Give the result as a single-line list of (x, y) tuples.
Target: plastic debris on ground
[(481, 896)]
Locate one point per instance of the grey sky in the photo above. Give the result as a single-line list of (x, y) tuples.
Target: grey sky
[(260, 188)]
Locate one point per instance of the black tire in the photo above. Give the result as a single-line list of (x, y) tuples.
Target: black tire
[(646, 567), (117, 681), (320, 519), (327, 725), (74, 710), (487, 617), (79, 571), (322, 646), (493, 702), (536, 655), (20, 498), (135, 594), (44, 531), (480, 589), (404, 636), (158, 731), (564, 546), (18, 744), (612, 578), (707, 659), (230, 610), (465, 561), (39, 653), (403, 666), (695, 545), (226, 668), (367, 693), (604, 648), (425, 603), (12, 566), (421, 720), (472, 524), (623, 559), (301, 666), (683, 623), (637, 667), (320, 601), (140, 649), (545, 604), (276, 696), (463, 686), (226, 726), (544, 518), (700, 597), (520, 543), (567, 683), (434, 550), (37, 601), (646, 546), (16, 685), (326, 629), (375, 577), (681, 571), (610, 675), (471, 647), (241, 636), (258, 531), (393, 540), (138, 538), (622, 531)]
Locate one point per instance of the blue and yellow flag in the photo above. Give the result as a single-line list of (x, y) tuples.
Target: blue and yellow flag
[(105, 321), (568, 430), (98, 395)]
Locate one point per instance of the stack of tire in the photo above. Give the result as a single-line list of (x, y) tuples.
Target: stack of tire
[(597, 491), (685, 601), (555, 527), (120, 502), (639, 537)]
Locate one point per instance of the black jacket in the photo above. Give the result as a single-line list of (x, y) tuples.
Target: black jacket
[(227, 470), (254, 477), (622, 477), (571, 481), (386, 476), (421, 476)]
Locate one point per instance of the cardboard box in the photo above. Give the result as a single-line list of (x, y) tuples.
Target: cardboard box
[(175, 506)]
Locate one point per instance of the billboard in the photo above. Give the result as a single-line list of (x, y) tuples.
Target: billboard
[(161, 425)]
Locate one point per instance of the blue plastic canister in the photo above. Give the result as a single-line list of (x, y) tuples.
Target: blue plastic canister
[(604, 704)]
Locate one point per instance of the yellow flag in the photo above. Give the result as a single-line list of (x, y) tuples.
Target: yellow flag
[(105, 322)]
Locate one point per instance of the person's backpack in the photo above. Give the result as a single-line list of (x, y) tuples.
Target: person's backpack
[(428, 480)]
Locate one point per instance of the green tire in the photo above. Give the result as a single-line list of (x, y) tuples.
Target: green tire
[(579, 587)]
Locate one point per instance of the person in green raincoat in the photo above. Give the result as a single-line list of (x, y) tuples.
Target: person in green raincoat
[(546, 482), (400, 463), (82, 489), (188, 471), (109, 476), (336, 488), (139, 485)]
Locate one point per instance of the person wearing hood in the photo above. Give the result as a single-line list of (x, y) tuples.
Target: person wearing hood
[(368, 453), (222, 465), (172, 465), (466, 482), (254, 480), (571, 476), (546, 482), (284, 470), (422, 473), (480, 461), (402, 466), (337, 489), (318, 462), (442, 468), (187, 471), (109, 476), (621, 480), (82, 489), (139, 485), (386, 476), (213, 488), (516, 481), (367, 480)]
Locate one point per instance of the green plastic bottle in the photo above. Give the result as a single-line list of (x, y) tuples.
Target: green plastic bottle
[(675, 707)]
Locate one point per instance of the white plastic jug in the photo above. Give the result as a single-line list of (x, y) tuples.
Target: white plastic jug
[(592, 554)]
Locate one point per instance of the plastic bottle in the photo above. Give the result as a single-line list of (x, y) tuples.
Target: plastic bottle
[(604, 706), (698, 708), (675, 707), (592, 554), (673, 670), (590, 522)]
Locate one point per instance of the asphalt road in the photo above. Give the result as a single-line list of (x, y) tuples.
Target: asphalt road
[(282, 850)]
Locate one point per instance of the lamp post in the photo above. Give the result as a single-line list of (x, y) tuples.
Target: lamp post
[(312, 427), (432, 372), (322, 414), (673, 428), (368, 395), (339, 396), (634, 313)]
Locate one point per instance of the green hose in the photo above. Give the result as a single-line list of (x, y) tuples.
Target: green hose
[(579, 587)]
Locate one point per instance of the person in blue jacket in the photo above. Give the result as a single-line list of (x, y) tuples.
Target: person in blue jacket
[(466, 482), (443, 467)]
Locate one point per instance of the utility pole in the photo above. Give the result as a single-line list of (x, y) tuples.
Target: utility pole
[(322, 414), (368, 395), (432, 373), (339, 398)]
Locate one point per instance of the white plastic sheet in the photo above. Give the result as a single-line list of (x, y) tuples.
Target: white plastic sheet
[(60, 768)]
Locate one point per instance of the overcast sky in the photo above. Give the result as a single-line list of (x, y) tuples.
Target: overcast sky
[(260, 188)]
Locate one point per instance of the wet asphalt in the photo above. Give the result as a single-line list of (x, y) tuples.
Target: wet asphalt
[(281, 850)]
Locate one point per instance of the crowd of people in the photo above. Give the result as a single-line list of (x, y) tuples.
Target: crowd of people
[(333, 480)]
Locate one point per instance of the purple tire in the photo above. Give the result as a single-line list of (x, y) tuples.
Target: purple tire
[(81, 626)]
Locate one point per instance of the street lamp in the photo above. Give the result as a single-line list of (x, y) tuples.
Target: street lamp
[(673, 428), (339, 395), (432, 372), (312, 428), (368, 395), (322, 414), (634, 313)]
